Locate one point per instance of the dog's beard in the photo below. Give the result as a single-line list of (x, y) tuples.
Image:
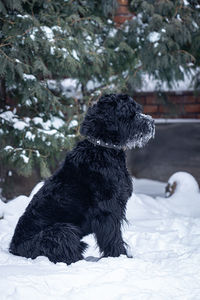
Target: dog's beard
[(141, 138)]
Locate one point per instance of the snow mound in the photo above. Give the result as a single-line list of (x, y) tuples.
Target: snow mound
[(184, 195), (185, 183), (163, 235)]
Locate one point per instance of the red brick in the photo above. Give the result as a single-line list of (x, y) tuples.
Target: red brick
[(150, 108), (197, 98), (123, 2), (151, 99), (192, 99), (189, 99), (155, 116), (196, 115), (122, 10), (185, 105), (140, 99), (121, 19), (181, 99), (187, 116), (164, 109), (192, 108), (175, 98)]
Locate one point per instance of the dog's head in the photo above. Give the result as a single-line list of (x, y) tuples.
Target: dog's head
[(118, 119)]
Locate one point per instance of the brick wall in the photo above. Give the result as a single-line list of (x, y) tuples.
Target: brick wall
[(122, 13), (170, 105)]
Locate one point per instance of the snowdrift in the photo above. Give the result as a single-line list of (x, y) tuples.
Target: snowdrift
[(163, 235)]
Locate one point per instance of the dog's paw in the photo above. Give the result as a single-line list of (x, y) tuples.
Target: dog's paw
[(92, 258)]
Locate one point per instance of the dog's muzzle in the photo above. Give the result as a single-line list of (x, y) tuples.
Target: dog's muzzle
[(145, 131)]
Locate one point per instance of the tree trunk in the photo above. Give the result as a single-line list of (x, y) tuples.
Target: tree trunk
[(2, 93)]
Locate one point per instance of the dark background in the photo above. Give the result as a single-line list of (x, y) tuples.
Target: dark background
[(176, 147)]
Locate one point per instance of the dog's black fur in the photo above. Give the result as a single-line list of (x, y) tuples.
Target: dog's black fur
[(88, 194)]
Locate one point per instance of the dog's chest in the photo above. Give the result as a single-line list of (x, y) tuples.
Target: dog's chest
[(124, 181)]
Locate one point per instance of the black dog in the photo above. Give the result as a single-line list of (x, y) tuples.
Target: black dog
[(88, 194)]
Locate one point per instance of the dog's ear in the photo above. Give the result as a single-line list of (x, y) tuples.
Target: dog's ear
[(127, 107), (100, 123), (124, 110), (108, 98), (107, 103)]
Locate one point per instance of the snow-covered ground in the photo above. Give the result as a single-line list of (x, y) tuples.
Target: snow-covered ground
[(164, 239)]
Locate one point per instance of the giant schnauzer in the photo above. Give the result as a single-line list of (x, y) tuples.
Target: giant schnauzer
[(88, 194)]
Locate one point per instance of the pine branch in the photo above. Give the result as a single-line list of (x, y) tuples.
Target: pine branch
[(186, 53)]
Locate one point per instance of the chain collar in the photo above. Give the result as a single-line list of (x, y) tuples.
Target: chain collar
[(98, 142)]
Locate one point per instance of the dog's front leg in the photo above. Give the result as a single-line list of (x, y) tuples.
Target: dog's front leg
[(107, 229)]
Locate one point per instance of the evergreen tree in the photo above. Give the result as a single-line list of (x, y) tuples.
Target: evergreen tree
[(44, 41), (41, 43), (166, 38)]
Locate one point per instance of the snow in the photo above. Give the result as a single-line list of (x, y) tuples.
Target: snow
[(71, 88), (28, 102), (12, 118), (161, 120), (164, 242), (7, 115), (8, 148), (49, 132), (59, 29), (141, 140), (153, 36), (73, 123), (186, 3), (20, 125), (29, 77), (150, 84), (48, 32), (55, 122), (50, 127), (150, 187), (178, 201), (75, 55), (18, 61), (25, 158), (33, 33), (112, 33), (196, 26), (38, 120), (30, 136), (93, 84), (24, 16), (185, 182)]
